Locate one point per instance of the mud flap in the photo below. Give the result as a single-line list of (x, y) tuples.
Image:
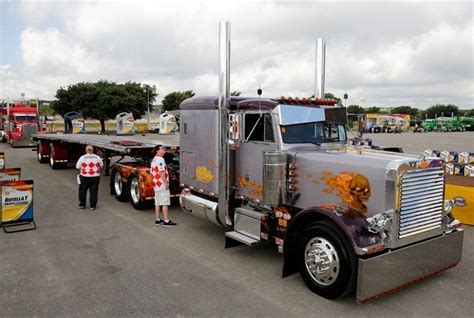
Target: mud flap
[(389, 272)]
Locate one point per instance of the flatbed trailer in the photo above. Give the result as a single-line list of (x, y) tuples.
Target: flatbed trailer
[(131, 177)]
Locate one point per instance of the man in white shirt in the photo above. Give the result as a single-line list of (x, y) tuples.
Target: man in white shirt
[(89, 166), (159, 171)]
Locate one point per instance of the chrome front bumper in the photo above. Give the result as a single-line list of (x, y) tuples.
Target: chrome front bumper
[(386, 273)]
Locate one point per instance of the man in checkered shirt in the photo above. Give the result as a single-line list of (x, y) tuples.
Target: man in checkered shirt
[(159, 171), (89, 166)]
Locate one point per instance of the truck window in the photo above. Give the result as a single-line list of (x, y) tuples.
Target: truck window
[(318, 132), (258, 127)]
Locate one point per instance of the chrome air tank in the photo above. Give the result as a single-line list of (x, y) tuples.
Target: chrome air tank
[(274, 177)]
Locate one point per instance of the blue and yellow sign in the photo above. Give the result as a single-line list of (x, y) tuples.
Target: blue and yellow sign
[(16, 199)]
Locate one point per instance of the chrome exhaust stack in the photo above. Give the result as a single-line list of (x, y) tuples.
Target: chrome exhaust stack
[(320, 68), (223, 135)]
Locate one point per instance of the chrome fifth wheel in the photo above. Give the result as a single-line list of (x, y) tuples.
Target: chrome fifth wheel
[(326, 260), (119, 188), (135, 194)]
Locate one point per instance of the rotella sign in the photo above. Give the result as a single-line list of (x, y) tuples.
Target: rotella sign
[(17, 201)]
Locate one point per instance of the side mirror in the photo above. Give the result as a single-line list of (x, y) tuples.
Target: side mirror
[(235, 127)]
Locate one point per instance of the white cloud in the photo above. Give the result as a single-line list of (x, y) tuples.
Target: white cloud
[(389, 53)]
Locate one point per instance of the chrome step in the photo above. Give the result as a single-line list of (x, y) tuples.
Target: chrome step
[(241, 237)]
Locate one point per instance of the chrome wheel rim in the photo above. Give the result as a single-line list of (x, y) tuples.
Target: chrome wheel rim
[(322, 261), (118, 183), (135, 191)]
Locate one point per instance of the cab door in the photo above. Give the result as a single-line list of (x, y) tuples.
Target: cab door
[(258, 136)]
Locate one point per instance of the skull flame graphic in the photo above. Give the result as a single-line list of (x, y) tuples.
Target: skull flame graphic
[(352, 187)]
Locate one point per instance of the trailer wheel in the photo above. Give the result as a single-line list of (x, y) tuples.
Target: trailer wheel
[(326, 261), (52, 159), (135, 194), (119, 188), (39, 149)]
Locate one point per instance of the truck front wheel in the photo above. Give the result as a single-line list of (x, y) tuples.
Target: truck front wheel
[(326, 261)]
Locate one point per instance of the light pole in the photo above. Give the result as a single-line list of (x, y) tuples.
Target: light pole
[(148, 107)]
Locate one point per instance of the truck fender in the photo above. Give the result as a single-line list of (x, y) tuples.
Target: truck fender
[(352, 225)]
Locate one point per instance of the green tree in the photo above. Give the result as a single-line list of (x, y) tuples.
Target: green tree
[(406, 110), (355, 109), (235, 93), (47, 111), (469, 113), (104, 100), (174, 99), (442, 110), (372, 110)]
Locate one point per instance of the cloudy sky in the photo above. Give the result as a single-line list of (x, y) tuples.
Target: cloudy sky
[(385, 54)]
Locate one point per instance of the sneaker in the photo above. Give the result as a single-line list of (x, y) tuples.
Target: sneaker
[(92, 208), (158, 222), (81, 207), (168, 224)]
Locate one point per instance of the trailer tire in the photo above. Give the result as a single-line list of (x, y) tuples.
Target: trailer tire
[(52, 160), (135, 194), (120, 189), (41, 159), (336, 280)]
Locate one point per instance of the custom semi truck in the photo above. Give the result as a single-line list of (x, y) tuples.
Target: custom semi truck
[(348, 219), (19, 123)]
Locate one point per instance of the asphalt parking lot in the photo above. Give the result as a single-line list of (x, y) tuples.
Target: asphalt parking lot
[(115, 262)]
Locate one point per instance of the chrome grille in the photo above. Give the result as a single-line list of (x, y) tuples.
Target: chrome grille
[(421, 202)]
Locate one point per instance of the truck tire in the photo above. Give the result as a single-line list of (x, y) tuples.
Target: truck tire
[(53, 161), (41, 159), (336, 275), (135, 194), (120, 189)]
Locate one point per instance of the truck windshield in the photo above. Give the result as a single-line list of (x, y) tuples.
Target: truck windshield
[(25, 117), (316, 133)]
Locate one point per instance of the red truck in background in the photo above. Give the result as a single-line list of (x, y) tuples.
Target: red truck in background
[(20, 122)]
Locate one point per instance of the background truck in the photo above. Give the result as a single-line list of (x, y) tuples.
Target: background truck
[(348, 219), (445, 124), (19, 123)]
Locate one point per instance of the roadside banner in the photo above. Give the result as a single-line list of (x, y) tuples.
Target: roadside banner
[(16, 199), (10, 174)]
